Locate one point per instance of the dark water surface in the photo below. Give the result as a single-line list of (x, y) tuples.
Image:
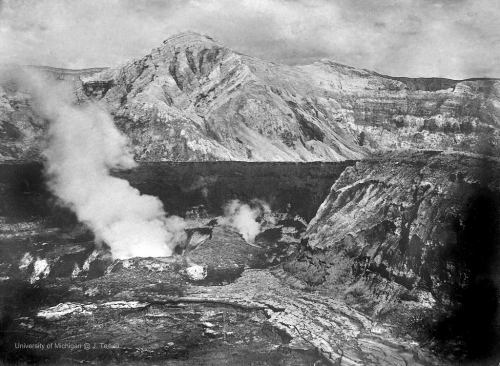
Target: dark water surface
[(295, 187)]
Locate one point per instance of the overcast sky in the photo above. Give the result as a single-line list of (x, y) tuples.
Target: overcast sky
[(449, 38)]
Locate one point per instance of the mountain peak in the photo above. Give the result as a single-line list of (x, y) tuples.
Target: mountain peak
[(190, 37)]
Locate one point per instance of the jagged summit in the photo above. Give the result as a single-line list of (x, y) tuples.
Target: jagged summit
[(189, 38)]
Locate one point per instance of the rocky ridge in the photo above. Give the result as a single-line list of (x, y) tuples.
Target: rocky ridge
[(194, 99), (414, 239)]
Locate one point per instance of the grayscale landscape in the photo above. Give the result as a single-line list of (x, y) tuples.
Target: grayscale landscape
[(196, 205)]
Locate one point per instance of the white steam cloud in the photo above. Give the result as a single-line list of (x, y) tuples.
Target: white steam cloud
[(243, 217), (83, 146)]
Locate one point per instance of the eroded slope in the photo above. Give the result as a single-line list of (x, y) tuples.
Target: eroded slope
[(414, 239), (194, 99)]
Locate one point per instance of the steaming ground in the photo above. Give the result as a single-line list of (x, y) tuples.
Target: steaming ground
[(203, 332), (243, 217), (220, 301), (83, 146), (224, 302)]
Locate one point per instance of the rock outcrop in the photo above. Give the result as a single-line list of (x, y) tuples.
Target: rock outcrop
[(194, 99), (414, 239)]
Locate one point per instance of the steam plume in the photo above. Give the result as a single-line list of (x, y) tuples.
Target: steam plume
[(244, 217), (84, 145)]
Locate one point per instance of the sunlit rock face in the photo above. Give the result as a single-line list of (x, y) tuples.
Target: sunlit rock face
[(194, 99), (414, 234)]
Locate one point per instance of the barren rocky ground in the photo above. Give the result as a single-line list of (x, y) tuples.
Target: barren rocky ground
[(297, 296), (246, 310)]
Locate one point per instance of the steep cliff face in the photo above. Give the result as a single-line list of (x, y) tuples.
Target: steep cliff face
[(417, 233), (194, 99)]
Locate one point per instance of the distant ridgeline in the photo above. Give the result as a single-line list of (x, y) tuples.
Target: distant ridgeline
[(193, 99)]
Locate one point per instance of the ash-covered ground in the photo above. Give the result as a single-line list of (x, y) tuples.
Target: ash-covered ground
[(61, 292)]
